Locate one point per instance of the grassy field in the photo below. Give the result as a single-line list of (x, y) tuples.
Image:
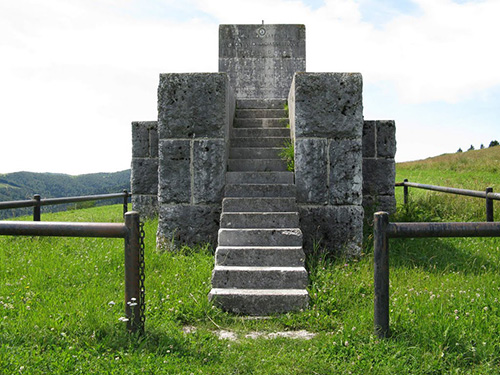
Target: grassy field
[(61, 300)]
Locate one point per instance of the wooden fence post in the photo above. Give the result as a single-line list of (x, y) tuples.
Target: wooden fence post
[(36, 208), (489, 205), (132, 276), (405, 193), (381, 274)]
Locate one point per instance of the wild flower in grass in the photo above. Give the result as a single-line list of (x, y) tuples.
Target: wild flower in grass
[(111, 303), (123, 319)]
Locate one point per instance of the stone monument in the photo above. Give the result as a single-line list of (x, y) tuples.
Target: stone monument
[(209, 167)]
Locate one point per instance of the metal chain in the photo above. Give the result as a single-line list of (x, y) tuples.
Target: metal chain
[(142, 275)]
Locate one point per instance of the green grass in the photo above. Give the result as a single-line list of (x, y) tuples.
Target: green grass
[(56, 316)]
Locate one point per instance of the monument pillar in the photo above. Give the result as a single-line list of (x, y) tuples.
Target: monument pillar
[(261, 60)]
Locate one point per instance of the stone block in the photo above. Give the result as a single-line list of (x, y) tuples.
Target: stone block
[(144, 139), (174, 176), (346, 177), (182, 224), (379, 176), (144, 176), (369, 139), (327, 105), (260, 60), (209, 170), (193, 105), (338, 230), (146, 205), (372, 204), (311, 176), (386, 139)]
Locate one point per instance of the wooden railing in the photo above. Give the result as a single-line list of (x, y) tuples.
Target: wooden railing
[(383, 230), (488, 194), (37, 202)]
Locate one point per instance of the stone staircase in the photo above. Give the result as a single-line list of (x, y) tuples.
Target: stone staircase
[(259, 262)]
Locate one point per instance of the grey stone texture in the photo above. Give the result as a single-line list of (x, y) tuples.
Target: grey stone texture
[(379, 167), (144, 168), (327, 105), (338, 229), (261, 59), (194, 114), (180, 224), (326, 118)]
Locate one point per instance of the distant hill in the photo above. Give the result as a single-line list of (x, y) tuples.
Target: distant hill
[(485, 160), (23, 185)]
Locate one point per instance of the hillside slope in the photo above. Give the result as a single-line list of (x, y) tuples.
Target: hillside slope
[(23, 185)]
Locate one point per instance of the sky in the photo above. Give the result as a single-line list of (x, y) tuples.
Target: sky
[(74, 74)]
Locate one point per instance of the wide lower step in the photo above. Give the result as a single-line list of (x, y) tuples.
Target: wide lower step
[(260, 103), (260, 123), (260, 132), (259, 302), (257, 165), (259, 205), (261, 113), (260, 190), (259, 142), (260, 237), (260, 256), (259, 220), (237, 277), (259, 178)]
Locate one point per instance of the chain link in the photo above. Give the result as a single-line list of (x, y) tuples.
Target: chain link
[(142, 275)]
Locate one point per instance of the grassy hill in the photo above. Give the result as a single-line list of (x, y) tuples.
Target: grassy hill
[(23, 185), (61, 300)]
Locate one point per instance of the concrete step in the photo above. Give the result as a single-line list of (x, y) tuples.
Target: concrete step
[(259, 277), (251, 190), (260, 256), (260, 123), (259, 302), (259, 178), (259, 220), (257, 165), (260, 103), (259, 142), (260, 237), (254, 153), (260, 132), (261, 113), (259, 204)]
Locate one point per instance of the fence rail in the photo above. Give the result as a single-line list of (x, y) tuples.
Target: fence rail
[(37, 202), (383, 230), (488, 194), (129, 231)]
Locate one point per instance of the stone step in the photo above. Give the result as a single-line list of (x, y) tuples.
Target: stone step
[(261, 113), (260, 190), (259, 277), (259, 204), (254, 152), (260, 237), (260, 132), (259, 302), (259, 178), (260, 256), (259, 142), (258, 165), (260, 123), (259, 220), (260, 103)]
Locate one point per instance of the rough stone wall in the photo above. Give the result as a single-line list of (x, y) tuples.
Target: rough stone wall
[(194, 113), (144, 174), (261, 59), (326, 119), (379, 168)]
